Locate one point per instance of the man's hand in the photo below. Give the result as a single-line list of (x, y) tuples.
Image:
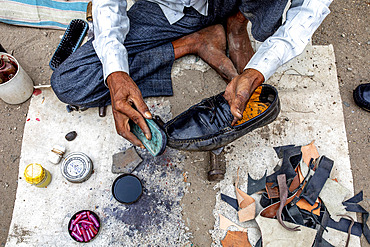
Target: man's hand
[(124, 94), (240, 89)]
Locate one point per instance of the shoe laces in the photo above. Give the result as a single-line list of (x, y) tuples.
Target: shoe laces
[(212, 106)]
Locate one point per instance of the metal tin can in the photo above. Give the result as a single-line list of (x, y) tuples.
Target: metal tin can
[(77, 167), (37, 175), (127, 188)]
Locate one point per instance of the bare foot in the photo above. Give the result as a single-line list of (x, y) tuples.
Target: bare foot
[(240, 48), (210, 45)]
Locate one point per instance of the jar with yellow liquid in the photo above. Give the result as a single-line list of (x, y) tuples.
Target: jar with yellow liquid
[(37, 175)]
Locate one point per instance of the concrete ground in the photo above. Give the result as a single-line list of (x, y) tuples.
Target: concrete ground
[(346, 28)]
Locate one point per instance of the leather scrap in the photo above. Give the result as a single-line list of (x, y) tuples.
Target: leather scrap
[(349, 228), (272, 192), (291, 158), (256, 185), (226, 223), (236, 239), (365, 228), (271, 211), (259, 243), (316, 183), (352, 203), (283, 188), (303, 204), (343, 226), (319, 240), (295, 183), (294, 215), (280, 150), (265, 201), (309, 152), (323, 243), (246, 203), (353, 206), (333, 194), (274, 235), (231, 201)]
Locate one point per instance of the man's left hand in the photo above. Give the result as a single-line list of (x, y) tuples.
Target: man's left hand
[(240, 89)]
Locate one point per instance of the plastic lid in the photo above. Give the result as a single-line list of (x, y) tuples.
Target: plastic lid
[(77, 167), (34, 173), (127, 188)]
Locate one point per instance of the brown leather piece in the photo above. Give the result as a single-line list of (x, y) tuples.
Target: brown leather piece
[(246, 203), (226, 223), (309, 151), (295, 183), (303, 204), (300, 175), (283, 188), (236, 239), (271, 211), (272, 192)]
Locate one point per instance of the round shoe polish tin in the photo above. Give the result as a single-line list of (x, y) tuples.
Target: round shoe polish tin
[(77, 167), (127, 188)]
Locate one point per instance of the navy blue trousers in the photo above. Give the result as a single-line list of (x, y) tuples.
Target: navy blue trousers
[(79, 79)]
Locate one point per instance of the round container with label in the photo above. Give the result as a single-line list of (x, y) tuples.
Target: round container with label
[(37, 175), (77, 167)]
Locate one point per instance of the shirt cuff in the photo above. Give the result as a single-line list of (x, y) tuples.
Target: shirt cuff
[(115, 58), (266, 61)]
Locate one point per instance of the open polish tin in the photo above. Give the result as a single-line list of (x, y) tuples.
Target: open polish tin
[(77, 167)]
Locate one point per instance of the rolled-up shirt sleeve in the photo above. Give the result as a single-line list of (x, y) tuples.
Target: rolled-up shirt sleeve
[(302, 20), (111, 26)]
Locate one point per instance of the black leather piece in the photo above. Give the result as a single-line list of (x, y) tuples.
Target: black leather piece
[(323, 243), (280, 150), (361, 95), (352, 206), (293, 213), (324, 218), (265, 200), (259, 243), (207, 125), (231, 201), (256, 185), (352, 203), (356, 198), (314, 186), (291, 158), (343, 226), (365, 228)]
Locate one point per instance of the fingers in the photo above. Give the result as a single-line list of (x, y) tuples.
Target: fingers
[(238, 104), (124, 94), (123, 128), (141, 106), (136, 117)]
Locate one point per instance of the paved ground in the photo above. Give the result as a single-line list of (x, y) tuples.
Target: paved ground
[(346, 28)]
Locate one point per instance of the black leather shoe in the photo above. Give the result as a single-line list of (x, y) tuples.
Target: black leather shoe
[(207, 125), (361, 95)]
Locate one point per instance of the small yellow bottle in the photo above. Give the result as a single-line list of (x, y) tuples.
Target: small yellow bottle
[(37, 175)]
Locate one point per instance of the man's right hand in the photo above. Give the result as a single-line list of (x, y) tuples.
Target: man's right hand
[(124, 94)]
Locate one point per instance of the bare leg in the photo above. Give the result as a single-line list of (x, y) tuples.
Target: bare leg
[(240, 48), (209, 44)]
